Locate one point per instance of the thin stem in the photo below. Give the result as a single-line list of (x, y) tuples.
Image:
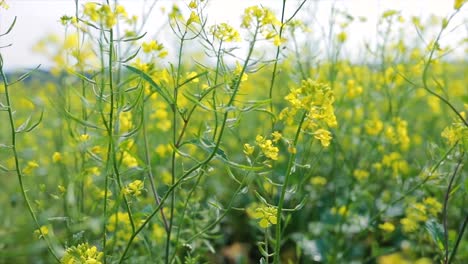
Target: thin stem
[(200, 164), (18, 171), (288, 173), (444, 211), (150, 171), (275, 65), (174, 140), (459, 238)]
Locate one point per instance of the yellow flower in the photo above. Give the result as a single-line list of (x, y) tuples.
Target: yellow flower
[(128, 160), (82, 253), (248, 149), (158, 233), (90, 9), (387, 227), (342, 210), (193, 4), (457, 4), (395, 258), (373, 127), (225, 32), (191, 75), (266, 214), (318, 181), (360, 175), (3, 4), (42, 231), (433, 206), (267, 147), (276, 136), (194, 18), (277, 41), (409, 225), (57, 157), (83, 137), (324, 136), (342, 37), (134, 188), (31, 165)]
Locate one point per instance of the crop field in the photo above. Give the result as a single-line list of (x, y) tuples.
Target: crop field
[(277, 138)]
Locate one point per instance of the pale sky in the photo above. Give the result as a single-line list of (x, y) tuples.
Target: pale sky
[(37, 18)]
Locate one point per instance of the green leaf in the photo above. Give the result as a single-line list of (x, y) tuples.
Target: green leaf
[(437, 234), (9, 28), (3, 168), (133, 38), (153, 84), (80, 121), (23, 126)]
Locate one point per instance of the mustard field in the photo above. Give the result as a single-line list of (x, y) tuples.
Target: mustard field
[(256, 142)]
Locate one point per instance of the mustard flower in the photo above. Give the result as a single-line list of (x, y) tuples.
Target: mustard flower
[(266, 214), (324, 136), (267, 147), (193, 19), (128, 160), (360, 175), (57, 157), (387, 227), (409, 225), (83, 253), (134, 188), (248, 149), (316, 99), (433, 206), (373, 127), (457, 4), (318, 181), (260, 16), (30, 167), (225, 32), (83, 137), (4, 5), (41, 232)]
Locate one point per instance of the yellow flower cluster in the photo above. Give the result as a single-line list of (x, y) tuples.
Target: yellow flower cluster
[(42, 231), (266, 214), (104, 13), (30, 167), (387, 227), (418, 213), (398, 258), (224, 32), (318, 181), (83, 253), (457, 132), (154, 46), (396, 162), (266, 145), (3, 4), (360, 175), (258, 16), (120, 224), (373, 127), (457, 4), (128, 160), (398, 133), (125, 121), (316, 99), (134, 188)]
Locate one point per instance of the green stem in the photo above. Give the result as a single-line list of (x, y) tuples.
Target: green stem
[(204, 162), (18, 171), (292, 158)]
